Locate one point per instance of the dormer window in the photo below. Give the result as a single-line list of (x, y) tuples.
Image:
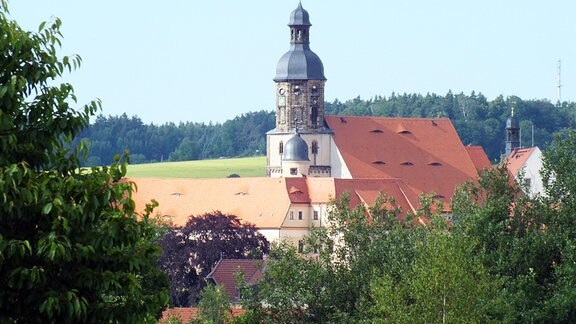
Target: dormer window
[(379, 162), (435, 163), (378, 131), (407, 163)]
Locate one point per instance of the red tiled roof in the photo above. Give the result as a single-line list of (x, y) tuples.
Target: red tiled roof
[(426, 154), (260, 201), (185, 314), (297, 190), (479, 157), (365, 192), (224, 273), (518, 158)]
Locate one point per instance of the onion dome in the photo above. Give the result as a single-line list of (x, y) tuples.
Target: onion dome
[(296, 149)]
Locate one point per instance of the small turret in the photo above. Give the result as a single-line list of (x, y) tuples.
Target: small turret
[(512, 134), (295, 161)]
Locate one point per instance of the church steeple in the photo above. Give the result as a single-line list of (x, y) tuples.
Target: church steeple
[(299, 108), (512, 134), (299, 80)]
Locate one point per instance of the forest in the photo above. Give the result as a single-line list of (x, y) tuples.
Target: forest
[(477, 120)]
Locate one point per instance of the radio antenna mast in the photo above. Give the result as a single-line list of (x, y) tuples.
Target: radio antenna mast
[(559, 103)]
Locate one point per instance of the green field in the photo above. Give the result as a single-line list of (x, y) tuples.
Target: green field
[(218, 168)]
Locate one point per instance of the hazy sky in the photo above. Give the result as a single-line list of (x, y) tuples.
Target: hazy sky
[(211, 60)]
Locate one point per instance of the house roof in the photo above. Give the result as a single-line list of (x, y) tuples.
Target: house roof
[(479, 157), (517, 159), (224, 273), (366, 191), (260, 201), (425, 153), (263, 202), (185, 314)]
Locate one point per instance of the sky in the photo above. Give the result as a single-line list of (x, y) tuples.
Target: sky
[(210, 61)]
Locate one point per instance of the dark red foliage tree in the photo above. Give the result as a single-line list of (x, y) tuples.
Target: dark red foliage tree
[(190, 252)]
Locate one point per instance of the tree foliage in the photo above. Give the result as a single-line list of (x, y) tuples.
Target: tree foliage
[(241, 136), (191, 251), (213, 306), (478, 121), (528, 242), (503, 257), (72, 247)]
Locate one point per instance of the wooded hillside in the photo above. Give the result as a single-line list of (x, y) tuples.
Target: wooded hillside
[(477, 120)]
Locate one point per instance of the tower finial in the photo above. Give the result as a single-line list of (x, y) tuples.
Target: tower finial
[(512, 111)]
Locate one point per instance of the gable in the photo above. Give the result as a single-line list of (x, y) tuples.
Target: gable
[(479, 157), (518, 158), (366, 191), (224, 273)]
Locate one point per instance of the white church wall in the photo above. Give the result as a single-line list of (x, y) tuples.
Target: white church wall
[(339, 168)]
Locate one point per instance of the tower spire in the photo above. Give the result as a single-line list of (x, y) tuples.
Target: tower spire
[(299, 80)]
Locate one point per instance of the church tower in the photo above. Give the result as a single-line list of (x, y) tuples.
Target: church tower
[(512, 134), (300, 102)]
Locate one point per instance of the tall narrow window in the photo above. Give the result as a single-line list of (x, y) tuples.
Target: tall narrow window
[(299, 215), (314, 116), (314, 150), (315, 215), (281, 147), (291, 214), (314, 147)]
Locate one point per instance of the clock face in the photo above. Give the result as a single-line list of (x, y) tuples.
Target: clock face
[(281, 91)]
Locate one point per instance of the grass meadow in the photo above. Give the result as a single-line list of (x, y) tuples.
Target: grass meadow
[(217, 168)]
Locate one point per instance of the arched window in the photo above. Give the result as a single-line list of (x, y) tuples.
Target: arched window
[(281, 147), (314, 116)]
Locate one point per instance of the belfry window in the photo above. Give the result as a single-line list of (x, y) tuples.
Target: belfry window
[(314, 116)]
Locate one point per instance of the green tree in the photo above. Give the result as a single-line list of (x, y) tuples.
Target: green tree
[(72, 247), (330, 281), (213, 307), (446, 283), (528, 243)]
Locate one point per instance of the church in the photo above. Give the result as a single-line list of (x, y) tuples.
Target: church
[(312, 158)]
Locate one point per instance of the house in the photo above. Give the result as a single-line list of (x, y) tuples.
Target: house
[(225, 271), (313, 158), (525, 165)]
